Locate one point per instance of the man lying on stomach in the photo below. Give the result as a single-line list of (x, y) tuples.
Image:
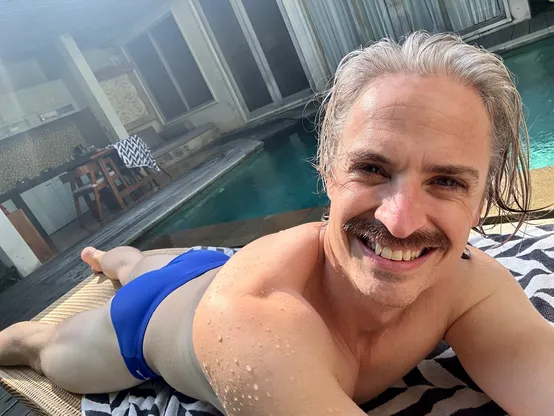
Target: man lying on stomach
[(416, 140)]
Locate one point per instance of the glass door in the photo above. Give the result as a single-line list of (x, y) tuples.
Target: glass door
[(256, 49)]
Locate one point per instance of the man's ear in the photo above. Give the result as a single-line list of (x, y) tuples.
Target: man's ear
[(477, 216)]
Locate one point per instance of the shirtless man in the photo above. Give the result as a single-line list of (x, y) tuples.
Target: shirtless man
[(417, 139)]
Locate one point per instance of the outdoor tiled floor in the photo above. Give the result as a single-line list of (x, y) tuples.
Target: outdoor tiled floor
[(9, 406)]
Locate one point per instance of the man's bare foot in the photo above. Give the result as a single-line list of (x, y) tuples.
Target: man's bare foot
[(93, 257)]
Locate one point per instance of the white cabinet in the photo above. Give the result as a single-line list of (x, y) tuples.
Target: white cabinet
[(22, 110), (45, 97), (52, 204)]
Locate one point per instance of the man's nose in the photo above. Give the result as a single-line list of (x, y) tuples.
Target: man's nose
[(401, 211)]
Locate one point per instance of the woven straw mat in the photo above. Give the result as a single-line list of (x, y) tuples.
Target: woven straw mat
[(34, 390)]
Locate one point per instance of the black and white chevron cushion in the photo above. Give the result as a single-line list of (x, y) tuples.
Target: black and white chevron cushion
[(438, 386), (135, 153)]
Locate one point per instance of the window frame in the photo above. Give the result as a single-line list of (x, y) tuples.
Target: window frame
[(163, 61)]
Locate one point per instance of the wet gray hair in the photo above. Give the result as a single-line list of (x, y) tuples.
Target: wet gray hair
[(508, 187)]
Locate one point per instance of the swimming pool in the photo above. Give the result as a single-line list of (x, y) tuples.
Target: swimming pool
[(533, 66), (281, 179), (278, 179)]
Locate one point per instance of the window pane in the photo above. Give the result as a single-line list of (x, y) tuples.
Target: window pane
[(272, 33), (156, 77), (181, 63), (237, 53)]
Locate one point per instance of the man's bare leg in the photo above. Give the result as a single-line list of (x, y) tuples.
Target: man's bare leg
[(123, 264), (81, 354)]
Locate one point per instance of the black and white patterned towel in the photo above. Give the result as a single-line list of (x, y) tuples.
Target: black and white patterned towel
[(135, 153), (438, 386)]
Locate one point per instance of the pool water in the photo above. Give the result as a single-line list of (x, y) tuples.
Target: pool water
[(533, 67), (278, 179)]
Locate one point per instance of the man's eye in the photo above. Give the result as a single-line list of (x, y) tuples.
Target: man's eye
[(448, 183), (369, 169)]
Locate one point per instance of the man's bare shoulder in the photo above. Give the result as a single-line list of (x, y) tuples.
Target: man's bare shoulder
[(284, 259), (477, 279)]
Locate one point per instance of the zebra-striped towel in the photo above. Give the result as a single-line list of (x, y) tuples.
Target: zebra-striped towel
[(437, 386)]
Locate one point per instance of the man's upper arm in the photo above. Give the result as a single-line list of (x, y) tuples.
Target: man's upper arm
[(269, 356), (507, 348)]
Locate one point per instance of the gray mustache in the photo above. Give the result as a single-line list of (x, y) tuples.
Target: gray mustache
[(375, 230)]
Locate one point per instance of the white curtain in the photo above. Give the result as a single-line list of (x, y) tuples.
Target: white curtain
[(465, 14), (344, 25)]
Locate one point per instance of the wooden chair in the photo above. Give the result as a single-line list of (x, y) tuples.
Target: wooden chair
[(100, 176)]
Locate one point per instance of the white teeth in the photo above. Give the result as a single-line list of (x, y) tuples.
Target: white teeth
[(386, 253), (396, 255)]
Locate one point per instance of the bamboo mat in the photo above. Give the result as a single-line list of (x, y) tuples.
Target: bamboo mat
[(34, 390)]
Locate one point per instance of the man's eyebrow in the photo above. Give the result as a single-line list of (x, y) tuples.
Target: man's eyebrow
[(367, 155), (455, 170)]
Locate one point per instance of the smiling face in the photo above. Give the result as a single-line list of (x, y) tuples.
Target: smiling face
[(407, 184)]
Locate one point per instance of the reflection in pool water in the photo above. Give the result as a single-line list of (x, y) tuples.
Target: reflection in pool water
[(278, 179), (533, 67)]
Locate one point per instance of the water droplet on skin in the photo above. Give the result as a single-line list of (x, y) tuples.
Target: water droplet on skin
[(256, 397), (238, 326), (255, 386), (242, 396), (277, 346), (259, 344), (235, 399), (248, 368), (267, 329), (209, 321), (281, 308), (220, 338), (288, 345), (236, 361), (249, 396), (268, 394), (232, 371)]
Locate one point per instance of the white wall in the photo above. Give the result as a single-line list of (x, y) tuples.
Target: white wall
[(16, 75), (519, 9), (85, 78), (15, 248)]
